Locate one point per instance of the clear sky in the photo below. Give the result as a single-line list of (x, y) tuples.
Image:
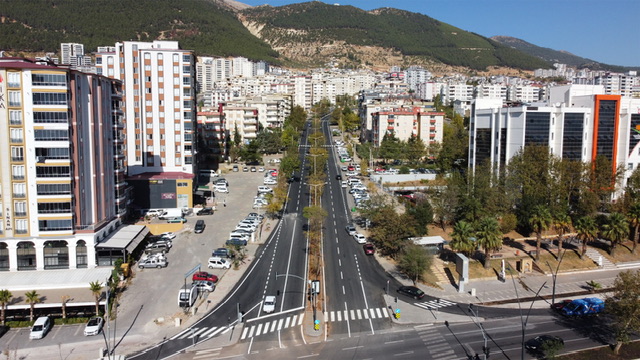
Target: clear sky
[(606, 31)]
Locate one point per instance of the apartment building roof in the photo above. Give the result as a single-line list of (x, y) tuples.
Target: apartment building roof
[(161, 176)]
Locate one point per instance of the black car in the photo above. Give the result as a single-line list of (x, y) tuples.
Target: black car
[(236, 242), (222, 253), (205, 211), (338, 177), (411, 291), (539, 343)]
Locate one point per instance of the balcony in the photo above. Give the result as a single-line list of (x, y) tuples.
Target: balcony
[(19, 213), (433, 128), (17, 158), (16, 140), (19, 195), (390, 127)]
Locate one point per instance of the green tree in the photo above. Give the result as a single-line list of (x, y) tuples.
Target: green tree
[(415, 149), (414, 262), (96, 290), (562, 225), (422, 213), (237, 137), (615, 230), (461, 238), (587, 231), (389, 230), (633, 215), (32, 299), (488, 237), (5, 298), (540, 220), (624, 306), (390, 147), (455, 142)]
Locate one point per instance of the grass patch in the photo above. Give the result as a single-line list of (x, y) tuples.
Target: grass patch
[(570, 262)]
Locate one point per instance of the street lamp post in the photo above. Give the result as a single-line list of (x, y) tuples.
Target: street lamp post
[(485, 349), (554, 276)]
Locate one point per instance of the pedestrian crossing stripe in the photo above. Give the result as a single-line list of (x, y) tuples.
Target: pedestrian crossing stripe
[(201, 333), (434, 304), (359, 314), (271, 326)]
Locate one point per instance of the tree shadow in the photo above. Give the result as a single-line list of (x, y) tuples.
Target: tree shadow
[(16, 300), (594, 327)]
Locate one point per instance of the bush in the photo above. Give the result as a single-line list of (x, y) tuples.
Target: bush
[(508, 223), (404, 169)]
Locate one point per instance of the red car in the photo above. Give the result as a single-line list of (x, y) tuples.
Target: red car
[(204, 276), (369, 249)]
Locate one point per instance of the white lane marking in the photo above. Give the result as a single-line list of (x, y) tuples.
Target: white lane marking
[(293, 321), (300, 319), (244, 333), (273, 326), (365, 313), (251, 331), (208, 332), (359, 314), (353, 314), (286, 278), (333, 316), (286, 323), (339, 313), (373, 313), (259, 329), (280, 324), (343, 293), (379, 312)]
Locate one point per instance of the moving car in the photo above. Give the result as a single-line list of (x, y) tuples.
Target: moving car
[(199, 227), (351, 230), (205, 211), (269, 304), (94, 326), (40, 328), (411, 291), (204, 276), (369, 249), (218, 263), (538, 343), (360, 239), (344, 184), (338, 177)]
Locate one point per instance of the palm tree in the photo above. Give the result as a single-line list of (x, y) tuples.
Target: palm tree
[(633, 215), (562, 225), (489, 237), (5, 297), (615, 230), (96, 290), (540, 220), (65, 298), (461, 238), (32, 298), (587, 230)]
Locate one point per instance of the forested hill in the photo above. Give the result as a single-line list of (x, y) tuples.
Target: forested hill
[(202, 25), (316, 26)]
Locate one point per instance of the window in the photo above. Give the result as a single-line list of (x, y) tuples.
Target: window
[(17, 172), (186, 58), (176, 104), (147, 90), (177, 138), (161, 79), (13, 79), (147, 68), (17, 153), (54, 189), (188, 160), (188, 148), (176, 58), (16, 135), (186, 81), (99, 60), (176, 69), (20, 208), (149, 125), (178, 161), (41, 117), (110, 72), (150, 148), (14, 98), (49, 79), (53, 171), (53, 153), (110, 60), (163, 148), (148, 103), (147, 56), (15, 117), (186, 69), (135, 58), (19, 190), (160, 56), (178, 148), (188, 137), (137, 136), (21, 226), (54, 208), (176, 116), (160, 68), (50, 98), (176, 81), (149, 136), (54, 225), (176, 92), (51, 135)]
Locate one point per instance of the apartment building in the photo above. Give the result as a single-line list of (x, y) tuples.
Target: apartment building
[(73, 54), (212, 129), (586, 127), (406, 122), (62, 185), (159, 105), (241, 120)]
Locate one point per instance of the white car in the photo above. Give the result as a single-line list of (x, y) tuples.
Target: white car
[(344, 184), (262, 189), (218, 263), (94, 326), (246, 227), (261, 169), (204, 285), (168, 235), (344, 168), (221, 189), (270, 181), (269, 304), (360, 239)]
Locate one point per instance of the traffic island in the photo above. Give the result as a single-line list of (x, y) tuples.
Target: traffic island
[(314, 325)]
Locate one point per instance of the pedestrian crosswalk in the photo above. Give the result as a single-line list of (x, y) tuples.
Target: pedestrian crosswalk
[(356, 314), (435, 344), (207, 354), (434, 304), (271, 326), (199, 333)]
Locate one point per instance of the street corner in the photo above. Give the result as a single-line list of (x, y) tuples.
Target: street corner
[(314, 325)]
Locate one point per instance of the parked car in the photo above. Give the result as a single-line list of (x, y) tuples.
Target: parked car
[(262, 189), (152, 262), (94, 326), (248, 227), (351, 230), (235, 168), (168, 235), (223, 253), (360, 239), (261, 169), (253, 169), (177, 220), (199, 227), (204, 276), (538, 343), (218, 263), (156, 247), (369, 249), (222, 181), (411, 291), (344, 184), (269, 181), (40, 327), (154, 212), (204, 285), (269, 304), (245, 169), (236, 242), (205, 211)]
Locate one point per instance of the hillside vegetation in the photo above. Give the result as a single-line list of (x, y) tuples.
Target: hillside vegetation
[(201, 25), (411, 34)]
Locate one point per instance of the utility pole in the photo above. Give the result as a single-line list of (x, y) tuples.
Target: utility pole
[(485, 349), (554, 276)]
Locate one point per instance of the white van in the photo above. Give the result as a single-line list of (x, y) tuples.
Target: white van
[(40, 327), (221, 188)]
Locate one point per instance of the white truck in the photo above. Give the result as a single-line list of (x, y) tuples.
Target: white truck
[(187, 295), (171, 214)]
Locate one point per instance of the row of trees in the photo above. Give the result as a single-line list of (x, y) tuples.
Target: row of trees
[(33, 298)]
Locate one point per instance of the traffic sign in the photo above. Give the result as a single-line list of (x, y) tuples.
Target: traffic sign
[(317, 322), (397, 311)]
